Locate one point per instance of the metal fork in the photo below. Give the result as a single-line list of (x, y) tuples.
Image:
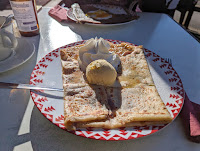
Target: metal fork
[(169, 60), (27, 86)]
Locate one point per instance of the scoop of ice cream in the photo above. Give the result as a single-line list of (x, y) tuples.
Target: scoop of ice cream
[(95, 49), (101, 72)]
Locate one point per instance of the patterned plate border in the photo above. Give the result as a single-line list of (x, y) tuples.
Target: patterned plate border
[(174, 105)]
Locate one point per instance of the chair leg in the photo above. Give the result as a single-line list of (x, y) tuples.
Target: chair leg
[(188, 18), (182, 17)]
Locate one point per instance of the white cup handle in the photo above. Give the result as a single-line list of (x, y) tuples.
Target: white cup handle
[(5, 36)]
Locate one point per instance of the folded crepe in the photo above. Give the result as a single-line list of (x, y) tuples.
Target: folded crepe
[(132, 101)]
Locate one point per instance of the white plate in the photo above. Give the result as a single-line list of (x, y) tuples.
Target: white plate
[(111, 8), (21, 54), (48, 73)]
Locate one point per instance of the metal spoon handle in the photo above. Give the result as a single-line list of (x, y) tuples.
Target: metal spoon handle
[(7, 21)]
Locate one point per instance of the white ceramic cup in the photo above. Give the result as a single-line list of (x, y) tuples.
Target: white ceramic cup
[(8, 43)]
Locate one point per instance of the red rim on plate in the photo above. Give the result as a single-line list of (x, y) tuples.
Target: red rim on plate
[(172, 93)]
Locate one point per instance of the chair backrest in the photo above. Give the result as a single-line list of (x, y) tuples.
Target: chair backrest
[(158, 6)]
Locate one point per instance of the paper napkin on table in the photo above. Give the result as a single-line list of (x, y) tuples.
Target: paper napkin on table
[(190, 116), (58, 13)]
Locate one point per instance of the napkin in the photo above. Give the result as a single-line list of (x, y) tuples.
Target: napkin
[(190, 116), (58, 13)]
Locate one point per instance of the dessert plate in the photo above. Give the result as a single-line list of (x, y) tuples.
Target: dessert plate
[(48, 71), (117, 10)]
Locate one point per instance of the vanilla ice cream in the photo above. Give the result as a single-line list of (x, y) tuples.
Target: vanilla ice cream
[(101, 72)]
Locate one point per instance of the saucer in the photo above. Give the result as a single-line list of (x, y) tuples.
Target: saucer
[(21, 54)]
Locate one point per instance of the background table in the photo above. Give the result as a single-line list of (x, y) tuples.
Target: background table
[(23, 127)]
